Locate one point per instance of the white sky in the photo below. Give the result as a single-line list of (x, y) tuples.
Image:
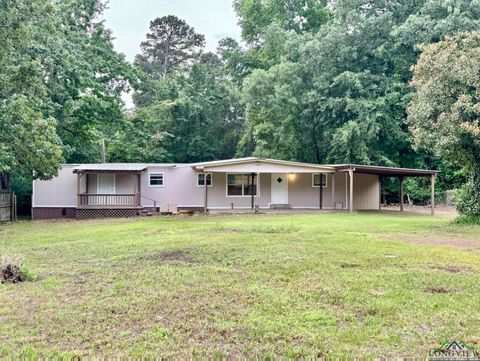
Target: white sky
[(130, 19)]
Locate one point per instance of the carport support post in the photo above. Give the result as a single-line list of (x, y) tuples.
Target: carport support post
[(402, 196), (350, 200), (380, 193), (432, 182)]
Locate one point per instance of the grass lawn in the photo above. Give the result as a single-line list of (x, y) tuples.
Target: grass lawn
[(242, 285)]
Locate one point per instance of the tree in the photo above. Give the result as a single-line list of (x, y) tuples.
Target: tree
[(193, 115), (29, 144), (339, 93), (298, 15), (444, 114), (171, 43)]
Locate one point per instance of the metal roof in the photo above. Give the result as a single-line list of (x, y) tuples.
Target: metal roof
[(118, 167), (385, 171), (234, 161), (219, 164)]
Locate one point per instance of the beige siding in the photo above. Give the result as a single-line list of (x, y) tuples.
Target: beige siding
[(92, 183), (125, 183), (60, 191), (366, 191), (180, 188)]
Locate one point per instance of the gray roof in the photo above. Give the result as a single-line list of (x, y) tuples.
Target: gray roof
[(118, 167), (385, 171)]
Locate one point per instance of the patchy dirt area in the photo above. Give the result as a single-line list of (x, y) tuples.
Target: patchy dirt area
[(439, 240), (184, 256), (440, 211)]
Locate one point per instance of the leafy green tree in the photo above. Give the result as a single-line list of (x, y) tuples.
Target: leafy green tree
[(29, 144), (192, 115), (171, 44), (444, 114), (298, 15), (85, 78), (339, 93)]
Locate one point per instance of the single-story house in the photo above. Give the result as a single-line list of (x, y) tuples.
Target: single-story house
[(127, 189)]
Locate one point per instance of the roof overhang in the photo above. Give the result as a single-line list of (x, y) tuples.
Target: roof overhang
[(385, 171), (260, 165), (110, 168)]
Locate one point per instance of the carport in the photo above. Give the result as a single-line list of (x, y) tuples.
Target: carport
[(384, 172)]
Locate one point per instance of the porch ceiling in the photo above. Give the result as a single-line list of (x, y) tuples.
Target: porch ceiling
[(261, 165)]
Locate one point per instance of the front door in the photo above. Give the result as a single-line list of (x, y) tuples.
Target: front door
[(279, 188), (106, 183)]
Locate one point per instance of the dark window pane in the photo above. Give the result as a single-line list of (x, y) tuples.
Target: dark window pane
[(234, 190), (316, 180), (156, 179)]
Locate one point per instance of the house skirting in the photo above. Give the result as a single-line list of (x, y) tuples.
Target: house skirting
[(105, 213), (39, 213)]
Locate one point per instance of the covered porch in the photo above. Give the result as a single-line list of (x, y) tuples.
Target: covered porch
[(257, 183), (105, 186)]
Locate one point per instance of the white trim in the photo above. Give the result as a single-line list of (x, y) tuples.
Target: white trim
[(33, 193), (257, 195), (321, 174), (156, 185), (211, 180)]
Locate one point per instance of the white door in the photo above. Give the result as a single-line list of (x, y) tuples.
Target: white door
[(279, 188), (106, 183)]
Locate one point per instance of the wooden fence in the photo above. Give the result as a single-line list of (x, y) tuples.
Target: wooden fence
[(8, 206)]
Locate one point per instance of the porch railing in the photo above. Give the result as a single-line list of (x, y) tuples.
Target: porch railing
[(108, 200)]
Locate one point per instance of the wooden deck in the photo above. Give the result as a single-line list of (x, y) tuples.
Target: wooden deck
[(108, 201)]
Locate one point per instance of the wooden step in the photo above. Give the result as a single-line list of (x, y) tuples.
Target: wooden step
[(145, 213)]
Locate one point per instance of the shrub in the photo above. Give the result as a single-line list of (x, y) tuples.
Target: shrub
[(467, 199)]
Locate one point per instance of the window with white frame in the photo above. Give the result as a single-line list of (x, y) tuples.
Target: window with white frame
[(239, 185), (201, 179), (156, 179), (316, 180)]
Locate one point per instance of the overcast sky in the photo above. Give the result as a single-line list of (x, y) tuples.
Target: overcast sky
[(130, 19)]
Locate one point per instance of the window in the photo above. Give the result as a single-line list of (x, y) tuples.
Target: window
[(316, 180), (201, 179), (155, 180), (239, 185)]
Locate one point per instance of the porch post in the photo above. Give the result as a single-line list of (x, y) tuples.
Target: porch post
[(78, 189), (432, 182), (205, 204), (333, 190), (350, 201), (252, 184), (401, 193), (139, 190)]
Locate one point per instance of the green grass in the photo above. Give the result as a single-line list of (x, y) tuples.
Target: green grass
[(241, 285)]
